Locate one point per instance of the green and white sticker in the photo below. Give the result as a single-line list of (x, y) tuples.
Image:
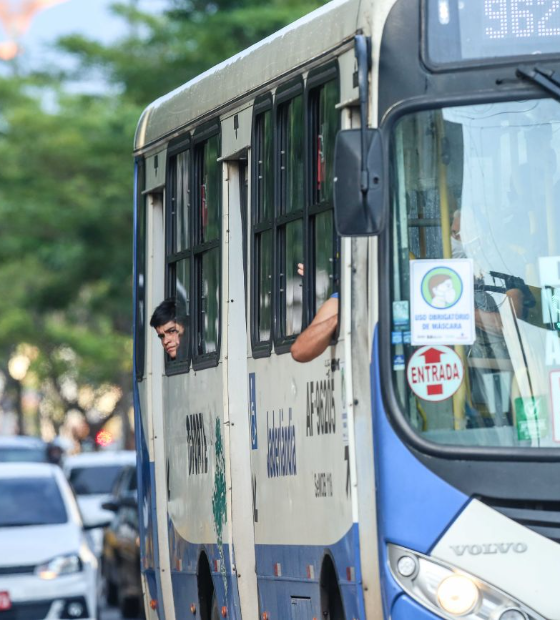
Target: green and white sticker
[(531, 417), (442, 301)]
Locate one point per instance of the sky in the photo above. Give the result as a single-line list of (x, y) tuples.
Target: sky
[(92, 18)]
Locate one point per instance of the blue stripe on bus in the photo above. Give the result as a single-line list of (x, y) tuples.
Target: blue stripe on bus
[(144, 469), (275, 593), (184, 557), (406, 608), (415, 507)]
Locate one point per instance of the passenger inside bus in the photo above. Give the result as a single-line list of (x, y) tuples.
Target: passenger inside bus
[(170, 327), (487, 315), (490, 383), (317, 336)]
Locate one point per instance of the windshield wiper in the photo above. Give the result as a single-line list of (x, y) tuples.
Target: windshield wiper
[(542, 78), (18, 524)]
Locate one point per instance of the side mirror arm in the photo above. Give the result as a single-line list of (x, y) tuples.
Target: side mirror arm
[(362, 50)]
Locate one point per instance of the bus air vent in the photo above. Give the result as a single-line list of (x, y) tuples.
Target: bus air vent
[(543, 517)]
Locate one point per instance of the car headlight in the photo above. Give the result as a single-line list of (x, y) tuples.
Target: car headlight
[(61, 565), (452, 593)]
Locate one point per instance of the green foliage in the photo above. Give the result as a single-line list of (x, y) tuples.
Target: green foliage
[(66, 182), (161, 53), (66, 234)]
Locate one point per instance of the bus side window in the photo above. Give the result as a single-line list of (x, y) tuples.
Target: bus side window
[(324, 123), (178, 248), (289, 216), (262, 231), (206, 251)]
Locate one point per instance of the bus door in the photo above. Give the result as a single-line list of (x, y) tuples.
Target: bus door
[(299, 436), (236, 419), (153, 501), (194, 395)]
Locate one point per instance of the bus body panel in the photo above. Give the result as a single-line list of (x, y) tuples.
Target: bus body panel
[(193, 427), (406, 608), (487, 544), (300, 440), (197, 506), (417, 505), (299, 566)]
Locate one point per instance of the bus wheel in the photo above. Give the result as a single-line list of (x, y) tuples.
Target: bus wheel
[(331, 599), (206, 596)]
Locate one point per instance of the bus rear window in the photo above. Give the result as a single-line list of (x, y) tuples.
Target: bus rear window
[(475, 30)]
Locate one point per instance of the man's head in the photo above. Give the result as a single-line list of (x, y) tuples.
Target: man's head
[(169, 327)]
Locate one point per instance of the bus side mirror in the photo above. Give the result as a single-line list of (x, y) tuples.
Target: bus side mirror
[(359, 186)]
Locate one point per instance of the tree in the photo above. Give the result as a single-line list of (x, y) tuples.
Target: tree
[(162, 52), (65, 207), (66, 194)]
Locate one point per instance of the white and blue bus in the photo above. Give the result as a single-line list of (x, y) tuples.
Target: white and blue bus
[(403, 157)]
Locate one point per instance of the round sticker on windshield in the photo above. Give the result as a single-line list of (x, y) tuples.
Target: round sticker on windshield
[(441, 287)]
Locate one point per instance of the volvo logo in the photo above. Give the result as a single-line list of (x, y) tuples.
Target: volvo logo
[(489, 549)]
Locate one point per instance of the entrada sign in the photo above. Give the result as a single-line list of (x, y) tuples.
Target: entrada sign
[(435, 373)]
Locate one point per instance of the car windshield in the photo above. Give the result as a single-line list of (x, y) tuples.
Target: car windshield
[(476, 273), (22, 455), (30, 501), (94, 480)]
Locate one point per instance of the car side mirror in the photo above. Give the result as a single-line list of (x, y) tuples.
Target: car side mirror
[(97, 525), (359, 187), (130, 501), (110, 505)]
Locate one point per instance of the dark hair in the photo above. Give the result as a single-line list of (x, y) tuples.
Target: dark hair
[(165, 312), (437, 279)]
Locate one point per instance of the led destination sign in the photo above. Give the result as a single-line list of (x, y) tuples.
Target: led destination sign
[(469, 30)]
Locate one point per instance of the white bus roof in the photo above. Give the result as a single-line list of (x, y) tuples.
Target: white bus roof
[(261, 64)]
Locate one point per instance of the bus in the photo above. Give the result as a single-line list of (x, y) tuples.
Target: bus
[(403, 158)]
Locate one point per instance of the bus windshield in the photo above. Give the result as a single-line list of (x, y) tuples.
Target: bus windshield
[(476, 193)]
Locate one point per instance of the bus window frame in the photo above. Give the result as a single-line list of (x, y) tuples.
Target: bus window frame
[(201, 361), (284, 94), (394, 412), (140, 319), (317, 79), (261, 348), (181, 144)]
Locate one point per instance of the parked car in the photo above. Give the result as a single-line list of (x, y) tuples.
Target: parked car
[(47, 570), (120, 560), (19, 449), (92, 476)]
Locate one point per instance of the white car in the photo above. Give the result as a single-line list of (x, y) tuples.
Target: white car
[(47, 568), (92, 476)]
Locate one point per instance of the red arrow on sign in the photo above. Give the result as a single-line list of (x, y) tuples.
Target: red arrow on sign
[(5, 602), (432, 356)]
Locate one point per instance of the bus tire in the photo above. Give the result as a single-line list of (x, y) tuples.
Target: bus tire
[(332, 607), (206, 595)]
